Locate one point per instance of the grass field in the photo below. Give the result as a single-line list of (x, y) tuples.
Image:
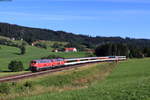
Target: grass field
[(66, 80), (8, 53), (129, 80)]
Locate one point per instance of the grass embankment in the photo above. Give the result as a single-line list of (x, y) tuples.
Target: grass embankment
[(8, 53), (129, 81), (73, 79)]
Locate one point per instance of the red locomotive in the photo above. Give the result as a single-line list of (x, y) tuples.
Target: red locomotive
[(44, 64)]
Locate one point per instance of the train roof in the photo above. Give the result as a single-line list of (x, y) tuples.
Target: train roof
[(81, 58), (47, 59)]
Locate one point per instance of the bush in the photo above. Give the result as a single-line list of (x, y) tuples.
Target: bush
[(8, 43), (24, 87), (15, 66), (24, 43), (57, 45), (4, 88), (28, 84), (41, 45)]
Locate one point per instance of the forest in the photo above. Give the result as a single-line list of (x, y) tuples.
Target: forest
[(133, 47), (119, 49), (32, 34)]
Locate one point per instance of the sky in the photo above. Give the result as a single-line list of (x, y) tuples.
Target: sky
[(124, 18)]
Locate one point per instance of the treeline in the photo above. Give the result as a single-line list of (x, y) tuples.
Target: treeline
[(79, 41), (119, 49)]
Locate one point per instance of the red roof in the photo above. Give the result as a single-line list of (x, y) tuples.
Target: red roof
[(70, 49)]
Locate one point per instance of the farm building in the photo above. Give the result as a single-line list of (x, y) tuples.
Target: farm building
[(70, 50), (55, 50)]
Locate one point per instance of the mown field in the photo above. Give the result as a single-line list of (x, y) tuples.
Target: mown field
[(8, 53), (129, 80)]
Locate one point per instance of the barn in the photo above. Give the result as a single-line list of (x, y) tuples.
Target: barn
[(70, 50)]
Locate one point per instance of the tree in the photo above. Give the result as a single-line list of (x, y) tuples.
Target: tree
[(56, 45), (24, 43), (15, 66), (23, 50), (41, 45), (135, 53), (76, 45), (112, 49), (146, 52), (102, 50)]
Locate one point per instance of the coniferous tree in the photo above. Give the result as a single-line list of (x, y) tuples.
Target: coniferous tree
[(23, 50)]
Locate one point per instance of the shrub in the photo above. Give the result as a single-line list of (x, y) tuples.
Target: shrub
[(24, 87), (56, 45), (41, 45), (8, 43), (28, 84), (4, 88), (24, 43), (15, 66)]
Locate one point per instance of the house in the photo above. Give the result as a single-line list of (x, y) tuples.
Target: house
[(70, 50), (13, 38), (55, 50)]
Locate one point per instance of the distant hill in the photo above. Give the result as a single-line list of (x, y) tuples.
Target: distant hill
[(32, 34)]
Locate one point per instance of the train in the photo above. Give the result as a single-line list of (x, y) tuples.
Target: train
[(46, 64)]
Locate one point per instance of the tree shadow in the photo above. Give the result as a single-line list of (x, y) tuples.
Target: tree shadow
[(27, 69), (5, 71), (8, 71), (17, 53)]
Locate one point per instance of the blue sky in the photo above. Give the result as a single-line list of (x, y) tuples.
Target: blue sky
[(125, 18)]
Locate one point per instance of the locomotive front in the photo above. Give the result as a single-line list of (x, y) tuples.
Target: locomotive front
[(33, 66)]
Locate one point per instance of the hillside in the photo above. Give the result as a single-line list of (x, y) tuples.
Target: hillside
[(9, 53), (33, 34), (127, 80)]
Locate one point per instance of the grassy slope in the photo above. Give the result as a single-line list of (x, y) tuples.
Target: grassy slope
[(72, 79), (129, 81), (8, 53)]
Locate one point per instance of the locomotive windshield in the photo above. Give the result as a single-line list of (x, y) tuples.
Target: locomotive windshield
[(33, 62)]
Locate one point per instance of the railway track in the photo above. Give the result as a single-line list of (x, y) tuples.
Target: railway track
[(30, 74)]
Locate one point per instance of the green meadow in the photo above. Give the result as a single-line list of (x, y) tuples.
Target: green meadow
[(9, 53), (128, 80)]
